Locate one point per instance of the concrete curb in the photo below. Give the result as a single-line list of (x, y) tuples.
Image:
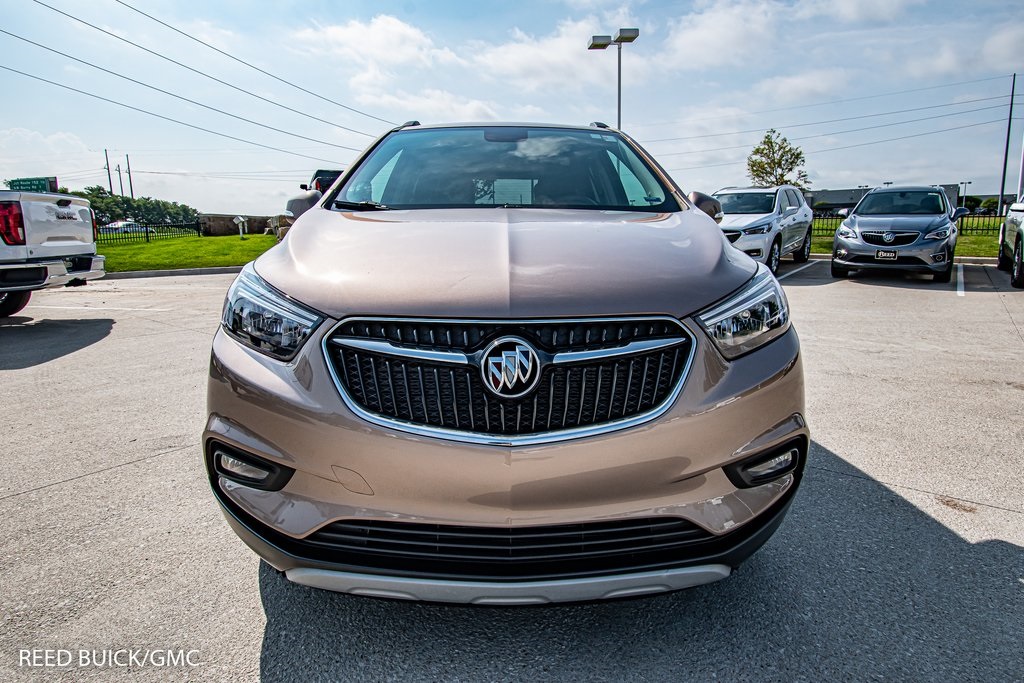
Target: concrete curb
[(131, 274)]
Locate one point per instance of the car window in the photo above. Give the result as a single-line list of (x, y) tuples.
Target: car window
[(506, 166), (794, 198), (746, 202), (898, 202), (784, 201)]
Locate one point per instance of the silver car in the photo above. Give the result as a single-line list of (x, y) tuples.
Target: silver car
[(1011, 243), (898, 228), (767, 223)]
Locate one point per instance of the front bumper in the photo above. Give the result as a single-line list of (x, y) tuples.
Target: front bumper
[(347, 469), (925, 256), (18, 277), (755, 246)]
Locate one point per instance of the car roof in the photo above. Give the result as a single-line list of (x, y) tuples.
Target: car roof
[(775, 188), (505, 124), (906, 188)]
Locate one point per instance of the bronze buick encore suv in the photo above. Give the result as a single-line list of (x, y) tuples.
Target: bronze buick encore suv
[(505, 364)]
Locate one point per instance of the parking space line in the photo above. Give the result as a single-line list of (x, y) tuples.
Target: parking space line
[(960, 279), (101, 308), (794, 272)]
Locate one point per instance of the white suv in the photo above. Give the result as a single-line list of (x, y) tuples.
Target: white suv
[(767, 222)]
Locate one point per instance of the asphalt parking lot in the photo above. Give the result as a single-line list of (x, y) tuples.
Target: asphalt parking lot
[(902, 558)]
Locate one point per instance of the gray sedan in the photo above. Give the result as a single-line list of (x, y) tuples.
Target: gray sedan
[(899, 228)]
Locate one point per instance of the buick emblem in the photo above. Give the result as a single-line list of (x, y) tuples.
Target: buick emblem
[(888, 238), (510, 367)]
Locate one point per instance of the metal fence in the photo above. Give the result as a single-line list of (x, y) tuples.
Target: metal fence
[(143, 232), (825, 225)]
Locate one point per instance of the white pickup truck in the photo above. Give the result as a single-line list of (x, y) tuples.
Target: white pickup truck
[(46, 240)]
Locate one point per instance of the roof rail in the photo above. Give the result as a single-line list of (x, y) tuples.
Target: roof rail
[(407, 124), (598, 124)]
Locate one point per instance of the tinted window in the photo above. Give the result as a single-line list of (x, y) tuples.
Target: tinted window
[(794, 198), (897, 202), (505, 166), (747, 202)]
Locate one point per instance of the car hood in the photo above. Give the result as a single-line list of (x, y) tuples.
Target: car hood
[(742, 220), (498, 262), (898, 223)]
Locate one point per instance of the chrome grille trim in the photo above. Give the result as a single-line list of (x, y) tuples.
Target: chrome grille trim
[(902, 238), (686, 336)]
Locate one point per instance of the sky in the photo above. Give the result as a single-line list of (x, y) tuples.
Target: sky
[(873, 91)]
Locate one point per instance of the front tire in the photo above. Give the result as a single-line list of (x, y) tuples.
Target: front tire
[(804, 253), (1003, 262), (774, 256), (12, 302), (1017, 274), (839, 271), (947, 274)]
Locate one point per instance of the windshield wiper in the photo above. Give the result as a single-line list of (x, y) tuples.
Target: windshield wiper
[(360, 206)]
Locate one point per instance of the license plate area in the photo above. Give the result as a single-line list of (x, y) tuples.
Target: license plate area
[(885, 255)]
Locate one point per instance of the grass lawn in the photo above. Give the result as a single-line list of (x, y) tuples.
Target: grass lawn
[(966, 245), (185, 252)]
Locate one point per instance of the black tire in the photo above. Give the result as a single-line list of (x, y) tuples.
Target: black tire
[(802, 254), (1017, 273), (839, 271), (1003, 262), (774, 256), (947, 274), (12, 302)]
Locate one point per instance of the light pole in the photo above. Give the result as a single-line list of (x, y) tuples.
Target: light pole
[(623, 35), (963, 197), (887, 183)]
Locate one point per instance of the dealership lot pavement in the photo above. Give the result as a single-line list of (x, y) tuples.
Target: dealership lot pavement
[(902, 558)]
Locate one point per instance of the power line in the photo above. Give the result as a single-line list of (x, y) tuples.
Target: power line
[(862, 144), (818, 123), (189, 174), (180, 97), (252, 66), (202, 73), (166, 118), (841, 132), (819, 104)]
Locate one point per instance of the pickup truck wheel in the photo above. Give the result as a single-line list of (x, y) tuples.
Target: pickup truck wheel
[(12, 302)]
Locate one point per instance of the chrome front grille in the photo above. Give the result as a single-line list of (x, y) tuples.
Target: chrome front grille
[(424, 376), (900, 239)]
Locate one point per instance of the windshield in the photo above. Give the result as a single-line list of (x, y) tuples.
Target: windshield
[(489, 166), (747, 202), (898, 203)]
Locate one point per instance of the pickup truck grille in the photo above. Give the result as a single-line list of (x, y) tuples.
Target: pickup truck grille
[(605, 385)]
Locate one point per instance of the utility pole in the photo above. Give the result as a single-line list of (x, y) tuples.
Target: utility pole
[(120, 181), (130, 187), (1006, 149), (110, 181)]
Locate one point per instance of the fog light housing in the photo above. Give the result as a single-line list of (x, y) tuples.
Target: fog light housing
[(754, 253), (768, 466), (245, 468), (940, 257)]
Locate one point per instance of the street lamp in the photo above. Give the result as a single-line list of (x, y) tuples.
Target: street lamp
[(887, 183), (623, 35), (963, 196)]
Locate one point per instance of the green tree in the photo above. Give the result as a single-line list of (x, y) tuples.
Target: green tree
[(777, 162), (990, 204), (111, 207), (972, 202)]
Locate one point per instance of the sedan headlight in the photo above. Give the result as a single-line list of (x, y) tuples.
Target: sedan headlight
[(752, 317), (264, 319), (940, 234), (758, 229)]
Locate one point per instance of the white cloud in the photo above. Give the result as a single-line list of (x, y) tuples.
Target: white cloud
[(809, 85), (384, 41), (432, 105), (856, 10), (723, 34), (1002, 51)]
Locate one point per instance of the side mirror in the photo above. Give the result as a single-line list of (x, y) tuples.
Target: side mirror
[(790, 210), (960, 212), (708, 204), (843, 213), (303, 186), (1019, 206)]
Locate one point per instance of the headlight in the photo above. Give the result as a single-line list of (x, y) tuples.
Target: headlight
[(754, 316), (940, 234), (264, 319), (758, 229), (846, 232)]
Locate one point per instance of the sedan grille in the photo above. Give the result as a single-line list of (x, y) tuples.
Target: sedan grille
[(900, 239), (401, 374), (506, 552)]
